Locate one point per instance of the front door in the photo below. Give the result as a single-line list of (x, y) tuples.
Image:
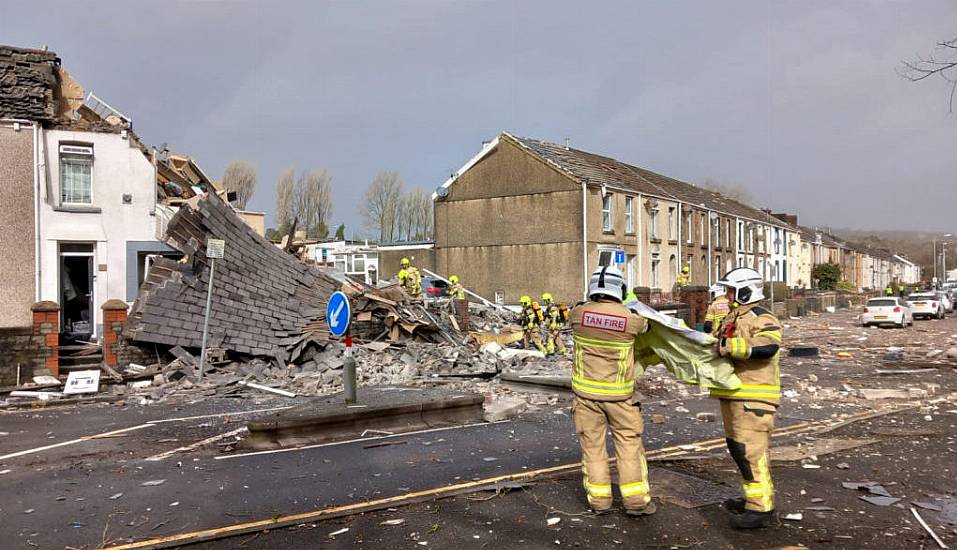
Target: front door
[(77, 313)]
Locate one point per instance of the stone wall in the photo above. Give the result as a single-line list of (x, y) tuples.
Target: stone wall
[(20, 347)]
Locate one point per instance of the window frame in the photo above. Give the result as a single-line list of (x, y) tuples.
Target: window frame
[(653, 223), (672, 226), (629, 215), (75, 153), (607, 212)]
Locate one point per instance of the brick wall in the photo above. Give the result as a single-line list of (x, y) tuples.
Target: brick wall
[(46, 327)]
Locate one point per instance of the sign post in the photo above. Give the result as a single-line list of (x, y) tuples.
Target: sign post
[(339, 316), (619, 256), (215, 248)]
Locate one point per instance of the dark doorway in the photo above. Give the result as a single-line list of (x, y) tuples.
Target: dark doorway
[(76, 290)]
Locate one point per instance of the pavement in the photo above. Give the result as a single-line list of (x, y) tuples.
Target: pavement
[(162, 470)]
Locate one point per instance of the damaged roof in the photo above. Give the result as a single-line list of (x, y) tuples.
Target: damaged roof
[(601, 170), (28, 80)]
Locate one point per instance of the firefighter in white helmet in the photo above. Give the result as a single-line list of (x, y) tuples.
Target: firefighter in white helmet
[(750, 336), (603, 379)]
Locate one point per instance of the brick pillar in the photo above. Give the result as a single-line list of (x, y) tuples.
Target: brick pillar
[(643, 293), (696, 297), (114, 322), (46, 329), (462, 313)]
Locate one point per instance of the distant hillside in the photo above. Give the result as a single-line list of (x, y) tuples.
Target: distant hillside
[(915, 245)]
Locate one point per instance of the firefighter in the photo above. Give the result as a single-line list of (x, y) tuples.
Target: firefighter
[(556, 315), (683, 280), (457, 291), (751, 337), (603, 379), (531, 319), (889, 290), (717, 310), (410, 278)]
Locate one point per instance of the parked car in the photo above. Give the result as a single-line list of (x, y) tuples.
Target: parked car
[(887, 311), (435, 288), (926, 304)]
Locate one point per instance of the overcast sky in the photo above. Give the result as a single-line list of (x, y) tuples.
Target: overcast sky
[(797, 101)]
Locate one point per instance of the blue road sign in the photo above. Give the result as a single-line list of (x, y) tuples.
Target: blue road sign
[(338, 314), (619, 256)]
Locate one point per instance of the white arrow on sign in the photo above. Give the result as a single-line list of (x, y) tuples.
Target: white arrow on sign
[(335, 314)]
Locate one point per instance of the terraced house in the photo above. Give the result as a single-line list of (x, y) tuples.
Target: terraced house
[(525, 216)]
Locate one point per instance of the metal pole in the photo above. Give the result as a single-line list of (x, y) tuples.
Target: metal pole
[(349, 372), (209, 301), (934, 256)]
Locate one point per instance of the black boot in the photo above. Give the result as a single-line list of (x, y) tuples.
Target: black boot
[(734, 505), (645, 510), (749, 519)]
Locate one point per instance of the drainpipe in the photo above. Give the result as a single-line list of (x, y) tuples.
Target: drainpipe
[(640, 233), (585, 236), (37, 264), (710, 226), (678, 264)]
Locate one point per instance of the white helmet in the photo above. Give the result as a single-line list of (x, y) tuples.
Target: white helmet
[(607, 281), (747, 283), (716, 290)]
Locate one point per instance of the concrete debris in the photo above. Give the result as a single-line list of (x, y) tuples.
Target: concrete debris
[(503, 408)]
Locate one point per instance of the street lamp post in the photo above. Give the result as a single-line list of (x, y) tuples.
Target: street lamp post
[(944, 244)]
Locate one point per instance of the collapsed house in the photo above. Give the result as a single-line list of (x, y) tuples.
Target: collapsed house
[(265, 302)]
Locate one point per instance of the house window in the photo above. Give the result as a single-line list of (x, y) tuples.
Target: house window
[(717, 232), (703, 226), (359, 263), (606, 212), (629, 225), (655, 272), (673, 269), (76, 174), (340, 263), (727, 233), (672, 224), (717, 267), (690, 264), (750, 237), (653, 222), (777, 241), (690, 227), (740, 236)]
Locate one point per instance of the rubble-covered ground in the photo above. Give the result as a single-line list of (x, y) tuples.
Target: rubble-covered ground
[(904, 377)]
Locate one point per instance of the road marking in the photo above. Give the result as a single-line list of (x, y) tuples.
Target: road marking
[(450, 490), (196, 445), (237, 413), (357, 440), (73, 441)]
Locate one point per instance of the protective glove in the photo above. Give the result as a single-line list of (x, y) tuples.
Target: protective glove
[(734, 347)]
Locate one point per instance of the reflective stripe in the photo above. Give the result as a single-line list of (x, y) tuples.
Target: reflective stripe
[(758, 391), (598, 490), (603, 388), (636, 488), (739, 348), (602, 343), (772, 334)]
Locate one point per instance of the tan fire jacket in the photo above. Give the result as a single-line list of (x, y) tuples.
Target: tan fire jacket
[(760, 377), (604, 361)]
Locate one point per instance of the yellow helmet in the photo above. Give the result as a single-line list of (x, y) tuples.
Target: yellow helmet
[(454, 279), (404, 262), (525, 300), (547, 297), (685, 269)]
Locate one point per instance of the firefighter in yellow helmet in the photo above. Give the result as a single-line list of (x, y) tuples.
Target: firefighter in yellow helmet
[(556, 315), (457, 291), (410, 278), (718, 309), (751, 337), (603, 379), (531, 319)]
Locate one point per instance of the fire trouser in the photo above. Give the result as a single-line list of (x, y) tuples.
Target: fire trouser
[(592, 421), (747, 427)]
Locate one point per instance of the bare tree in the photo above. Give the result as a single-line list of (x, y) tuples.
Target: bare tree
[(240, 177), (941, 62), (419, 205), (285, 190), (734, 191), (380, 205), (313, 200)]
